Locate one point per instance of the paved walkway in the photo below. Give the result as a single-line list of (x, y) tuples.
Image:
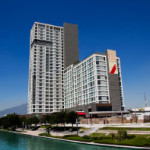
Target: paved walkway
[(133, 125), (90, 131), (34, 133), (94, 128)]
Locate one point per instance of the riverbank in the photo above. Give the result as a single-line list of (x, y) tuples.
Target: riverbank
[(88, 142), (136, 142)]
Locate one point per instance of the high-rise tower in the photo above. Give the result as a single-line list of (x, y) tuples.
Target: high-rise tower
[(51, 49)]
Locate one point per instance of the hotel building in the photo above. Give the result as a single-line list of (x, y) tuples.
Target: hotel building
[(52, 48), (94, 84)]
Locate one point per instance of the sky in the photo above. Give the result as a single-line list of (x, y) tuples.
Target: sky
[(122, 25)]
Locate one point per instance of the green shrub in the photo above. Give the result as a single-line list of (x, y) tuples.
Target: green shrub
[(131, 136), (122, 135), (100, 135), (43, 126), (125, 128), (86, 137), (70, 135), (113, 136), (77, 138), (96, 138)]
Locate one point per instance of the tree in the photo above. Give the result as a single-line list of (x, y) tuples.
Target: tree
[(54, 119), (43, 120), (47, 118), (141, 109), (62, 117), (33, 120), (122, 135), (71, 117), (11, 121), (23, 121), (0, 122)]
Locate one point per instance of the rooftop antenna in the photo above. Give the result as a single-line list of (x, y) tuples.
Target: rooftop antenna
[(145, 101)]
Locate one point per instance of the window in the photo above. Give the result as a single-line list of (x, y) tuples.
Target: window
[(97, 62), (100, 98), (98, 82)]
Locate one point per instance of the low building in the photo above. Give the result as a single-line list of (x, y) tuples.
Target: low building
[(147, 109), (94, 84)]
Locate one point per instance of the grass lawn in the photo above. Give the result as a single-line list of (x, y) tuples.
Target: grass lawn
[(125, 128), (43, 126), (132, 140), (49, 135), (83, 129)]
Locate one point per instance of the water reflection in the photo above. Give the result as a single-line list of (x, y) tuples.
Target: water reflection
[(9, 139)]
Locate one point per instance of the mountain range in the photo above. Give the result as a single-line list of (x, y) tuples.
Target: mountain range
[(20, 110)]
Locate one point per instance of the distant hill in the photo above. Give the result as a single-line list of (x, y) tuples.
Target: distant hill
[(21, 109)]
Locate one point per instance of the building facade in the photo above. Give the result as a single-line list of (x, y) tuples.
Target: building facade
[(94, 84), (51, 50)]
